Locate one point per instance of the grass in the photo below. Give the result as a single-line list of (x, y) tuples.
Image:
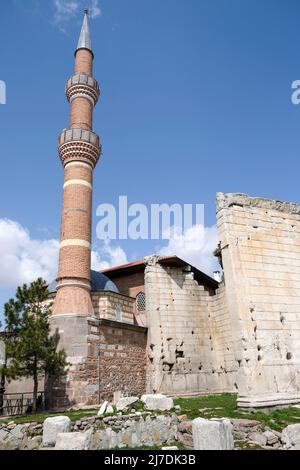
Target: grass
[(215, 406), (223, 406)]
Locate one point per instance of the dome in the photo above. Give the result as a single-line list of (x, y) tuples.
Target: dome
[(100, 282)]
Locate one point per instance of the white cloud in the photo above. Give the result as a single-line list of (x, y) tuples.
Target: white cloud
[(22, 258), (95, 10), (66, 10), (195, 246), (112, 256)]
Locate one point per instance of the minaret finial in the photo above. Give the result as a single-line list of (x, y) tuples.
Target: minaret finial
[(85, 41)]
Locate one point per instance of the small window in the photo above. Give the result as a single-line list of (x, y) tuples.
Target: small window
[(118, 312), (141, 302)]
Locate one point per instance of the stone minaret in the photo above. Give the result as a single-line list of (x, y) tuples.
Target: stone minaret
[(79, 149)]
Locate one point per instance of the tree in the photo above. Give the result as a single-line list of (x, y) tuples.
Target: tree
[(30, 349)]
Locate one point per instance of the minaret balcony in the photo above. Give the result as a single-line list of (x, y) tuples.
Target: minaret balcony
[(79, 145), (82, 86)]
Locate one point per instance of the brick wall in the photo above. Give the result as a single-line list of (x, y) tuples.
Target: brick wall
[(122, 359), (260, 243)]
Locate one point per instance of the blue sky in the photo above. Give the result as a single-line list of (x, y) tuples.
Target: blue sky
[(196, 98)]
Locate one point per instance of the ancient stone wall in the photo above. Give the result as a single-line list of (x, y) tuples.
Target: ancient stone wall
[(260, 247), (189, 342)]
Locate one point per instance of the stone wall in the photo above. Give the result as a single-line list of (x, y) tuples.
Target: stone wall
[(113, 306), (133, 430), (120, 367), (260, 247), (189, 342), (122, 362)]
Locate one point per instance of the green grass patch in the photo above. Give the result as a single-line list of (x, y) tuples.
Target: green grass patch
[(225, 406)]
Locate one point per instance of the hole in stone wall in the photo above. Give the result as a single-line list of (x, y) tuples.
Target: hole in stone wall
[(236, 385), (289, 356), (239, 362), (192, 332), (282, 319), (179, 354), (259, 357), (258, 347)]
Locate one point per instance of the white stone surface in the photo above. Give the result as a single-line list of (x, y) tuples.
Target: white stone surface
[(291, 437), (73, 441), (103, 408), (125, 402), (157, 402), (215, 434), (110, 409), (52, 427)]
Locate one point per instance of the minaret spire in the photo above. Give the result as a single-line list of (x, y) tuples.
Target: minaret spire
[(79, 149), (85, 40)]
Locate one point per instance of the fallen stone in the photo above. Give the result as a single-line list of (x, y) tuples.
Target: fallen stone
[(125, 402), (157, 402), (110, 409), (52, 427), (257, 438), (185, 427), (214, 434), (290, 437), (186, 439), (170, 448), (73, 441), (34, 443), (103, 408), (271, 438)]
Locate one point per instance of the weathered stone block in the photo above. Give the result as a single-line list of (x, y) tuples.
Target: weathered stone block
[(157, 402), (291, 437), (215, 434), (73, 441), (125, 402), (54, 426)]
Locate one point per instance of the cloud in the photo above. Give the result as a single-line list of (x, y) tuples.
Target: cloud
[(22, 258), (195, 246), (66, 10), (112, 256)]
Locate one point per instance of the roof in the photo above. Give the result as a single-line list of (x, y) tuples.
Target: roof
[(99, 282), (85, 40), (172, 261)]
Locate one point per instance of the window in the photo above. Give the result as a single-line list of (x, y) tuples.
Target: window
[(141, 302), (118, 312)]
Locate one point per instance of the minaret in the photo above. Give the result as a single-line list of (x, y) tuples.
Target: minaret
[(79, 149)]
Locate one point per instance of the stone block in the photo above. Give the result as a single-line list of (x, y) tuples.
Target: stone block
[(125, 402), (73, 440), (157, 402), (52, 427), (215, 434), (290, 437)]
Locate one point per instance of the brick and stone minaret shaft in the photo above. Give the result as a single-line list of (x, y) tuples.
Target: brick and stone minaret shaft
[(79, 149)]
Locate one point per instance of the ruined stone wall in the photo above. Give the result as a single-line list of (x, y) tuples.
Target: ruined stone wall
[(187, 348), (260, 246)]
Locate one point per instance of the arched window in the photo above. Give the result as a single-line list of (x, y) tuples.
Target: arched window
[(141, 302)]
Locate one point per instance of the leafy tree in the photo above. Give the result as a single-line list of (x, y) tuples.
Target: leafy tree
[(31, 350)]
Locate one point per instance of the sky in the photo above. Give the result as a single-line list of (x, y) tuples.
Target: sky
[(195, 99)]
